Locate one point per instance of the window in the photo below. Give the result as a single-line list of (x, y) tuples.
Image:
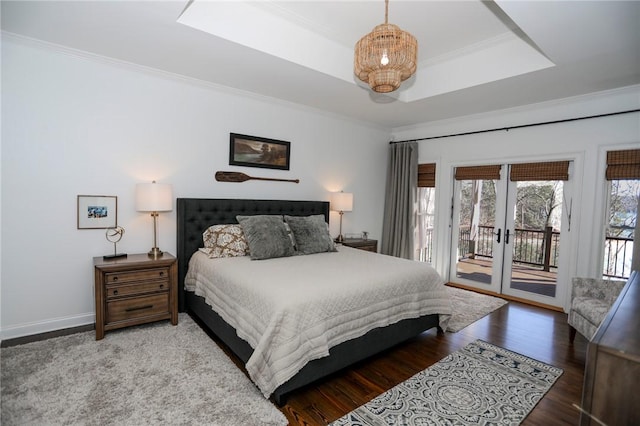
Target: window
[(426, 212), (623, 176), (621, 224), (426, 216)]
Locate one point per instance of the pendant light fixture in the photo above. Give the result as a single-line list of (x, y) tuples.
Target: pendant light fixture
[(386, 56)]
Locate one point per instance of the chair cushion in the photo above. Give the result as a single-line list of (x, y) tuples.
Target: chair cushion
[(593, 310)]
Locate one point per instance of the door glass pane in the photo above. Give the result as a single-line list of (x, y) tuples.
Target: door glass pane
[(535, 239), (426, 216), (618, 246), (475, 237)]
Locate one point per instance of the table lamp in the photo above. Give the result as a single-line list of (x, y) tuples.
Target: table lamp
[(341, 202), (154, 197)]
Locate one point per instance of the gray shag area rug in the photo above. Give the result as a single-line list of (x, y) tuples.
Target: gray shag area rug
[(151, 374), (480, 384), (469, 306)]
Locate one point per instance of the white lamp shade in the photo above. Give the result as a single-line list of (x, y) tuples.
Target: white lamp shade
[(341, 201), (154, 197)]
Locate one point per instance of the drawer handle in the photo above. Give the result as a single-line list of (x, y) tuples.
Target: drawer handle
[(139, 308), (161, 285), (161, 273), (115, 292), (115, 278)]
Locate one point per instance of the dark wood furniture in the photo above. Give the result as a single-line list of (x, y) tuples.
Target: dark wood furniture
[(612, 370), (195, 215), (359, 243), (135, 290)]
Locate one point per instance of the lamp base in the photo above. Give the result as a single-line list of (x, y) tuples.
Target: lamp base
[(340, 238), (155, 252)]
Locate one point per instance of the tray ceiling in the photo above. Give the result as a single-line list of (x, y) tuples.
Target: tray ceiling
[(474, 56)]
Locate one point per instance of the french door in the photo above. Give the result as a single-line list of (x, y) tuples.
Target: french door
[(508, 225)]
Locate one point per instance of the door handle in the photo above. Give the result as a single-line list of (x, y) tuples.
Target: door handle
[(506, 237), (498, 235)]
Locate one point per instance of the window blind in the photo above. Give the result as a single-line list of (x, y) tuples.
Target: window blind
[(624, 164), (478, 172), (427, 175), (551, 170)]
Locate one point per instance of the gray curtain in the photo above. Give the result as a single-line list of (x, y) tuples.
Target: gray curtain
[(400, 200)]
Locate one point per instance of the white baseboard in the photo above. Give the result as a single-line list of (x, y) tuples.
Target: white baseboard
[(32, 328)]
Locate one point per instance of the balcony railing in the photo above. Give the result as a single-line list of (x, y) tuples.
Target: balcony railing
[(425, 254), (535, 248), (530, 247), (617, 257)]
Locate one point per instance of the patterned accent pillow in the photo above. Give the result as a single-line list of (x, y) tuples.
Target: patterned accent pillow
[(225, 241), (311, 234), (267, 236)]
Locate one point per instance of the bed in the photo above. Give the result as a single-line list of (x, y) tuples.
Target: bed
[(194, 216)]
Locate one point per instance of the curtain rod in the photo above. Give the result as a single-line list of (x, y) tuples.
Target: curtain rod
[(506, 129)]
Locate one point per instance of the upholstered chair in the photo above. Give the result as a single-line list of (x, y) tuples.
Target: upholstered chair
[(591, 300)]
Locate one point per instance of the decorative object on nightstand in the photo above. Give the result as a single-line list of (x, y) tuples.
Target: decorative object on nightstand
[(361, 243), (135, 290), (341, 202), (114, 235), (154, 197)]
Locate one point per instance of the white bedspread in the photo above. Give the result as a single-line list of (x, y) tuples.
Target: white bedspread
[(292, 310)]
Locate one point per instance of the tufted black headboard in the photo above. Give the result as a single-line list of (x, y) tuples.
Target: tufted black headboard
[(195, 215)]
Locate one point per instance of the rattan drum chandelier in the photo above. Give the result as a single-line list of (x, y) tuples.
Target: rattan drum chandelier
[(386, 56)]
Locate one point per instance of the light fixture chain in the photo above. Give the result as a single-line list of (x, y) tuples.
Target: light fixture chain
[(386, 11)]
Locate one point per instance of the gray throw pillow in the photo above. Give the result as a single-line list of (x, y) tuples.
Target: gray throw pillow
[(266, 236), (311, 234)]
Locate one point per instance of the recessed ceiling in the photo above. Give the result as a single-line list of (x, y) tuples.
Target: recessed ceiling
[(474, 56), (480, 41)]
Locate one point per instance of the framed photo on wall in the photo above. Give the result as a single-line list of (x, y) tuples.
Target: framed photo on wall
[(254, 151), (97, 211)]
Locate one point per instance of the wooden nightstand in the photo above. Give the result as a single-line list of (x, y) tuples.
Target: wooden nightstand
[(135, 290), (359, 243)]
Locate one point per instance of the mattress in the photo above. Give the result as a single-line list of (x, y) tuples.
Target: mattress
[(292, 310)]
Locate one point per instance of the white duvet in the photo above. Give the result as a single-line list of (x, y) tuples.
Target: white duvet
[(292, 310)]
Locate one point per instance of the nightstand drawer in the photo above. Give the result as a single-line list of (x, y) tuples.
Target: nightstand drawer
[(358, 243), (142, 275), (116, 291), (136, 307)]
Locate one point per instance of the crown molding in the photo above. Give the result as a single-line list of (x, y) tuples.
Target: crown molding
[(155, 72)]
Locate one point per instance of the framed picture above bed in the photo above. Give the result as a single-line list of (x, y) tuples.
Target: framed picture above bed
[(254, 151), (97, 211)]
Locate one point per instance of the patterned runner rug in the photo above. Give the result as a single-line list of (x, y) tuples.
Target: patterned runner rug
[(480, 384)]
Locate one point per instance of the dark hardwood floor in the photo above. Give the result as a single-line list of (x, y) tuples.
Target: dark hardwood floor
[(532, 331)]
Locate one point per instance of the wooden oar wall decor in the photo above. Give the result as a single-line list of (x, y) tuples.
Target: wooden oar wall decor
[(241, 177)]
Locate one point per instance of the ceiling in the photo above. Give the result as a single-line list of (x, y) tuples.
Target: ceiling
[(474, 56)]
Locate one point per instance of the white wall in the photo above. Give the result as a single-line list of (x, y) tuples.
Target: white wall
[(585, 142), (77, 124)]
